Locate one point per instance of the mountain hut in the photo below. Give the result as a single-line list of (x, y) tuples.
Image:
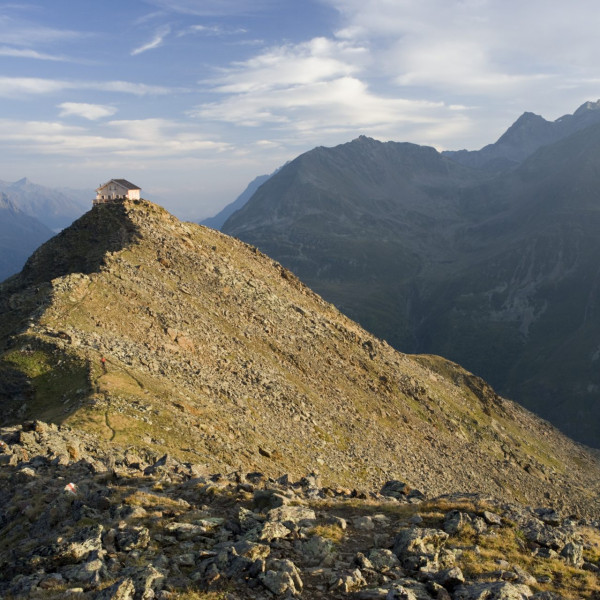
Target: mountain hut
[(116, 190)]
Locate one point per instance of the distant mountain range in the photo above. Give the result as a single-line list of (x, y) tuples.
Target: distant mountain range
[(54, 207), (29, 215), (489, 258), (20, 235)]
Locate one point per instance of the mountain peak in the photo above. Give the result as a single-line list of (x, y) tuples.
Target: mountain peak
[(587, 106), (364, 139), (525, 129)]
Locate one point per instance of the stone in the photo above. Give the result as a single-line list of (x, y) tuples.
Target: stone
[(294, 515), (364, 523), (455, 521), (51, 581), (450, 578), (492, 518), (265, 500), (573, 554), (548, 515), (347, 581), (318, 551), (273, 530), (187, 559), (395, 489), (418, 547), (123, 589), (83, 543), (132, 538), (545, 535), (185, 531), (383, 560), (492, 591), (281, 576), (90, 572), (248, 520)]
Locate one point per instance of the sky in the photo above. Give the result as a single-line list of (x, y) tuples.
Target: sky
[(192, 99)]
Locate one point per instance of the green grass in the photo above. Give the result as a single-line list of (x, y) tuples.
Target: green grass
[(58, 381)]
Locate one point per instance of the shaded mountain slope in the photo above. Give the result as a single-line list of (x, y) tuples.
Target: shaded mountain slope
[(497, 272), (20, 235), (221, 357), (359, 223), (217, 221), (527, 298)]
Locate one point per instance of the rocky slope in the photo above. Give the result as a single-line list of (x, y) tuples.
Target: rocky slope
[(497, 272), (81, 518), (219, 356)]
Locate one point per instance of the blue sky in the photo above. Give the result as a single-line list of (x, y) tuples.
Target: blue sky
[(191, 99)]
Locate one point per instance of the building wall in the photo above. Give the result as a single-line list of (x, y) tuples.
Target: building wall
[(114, 191)]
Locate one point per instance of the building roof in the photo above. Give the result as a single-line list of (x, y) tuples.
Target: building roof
[(122, 182)]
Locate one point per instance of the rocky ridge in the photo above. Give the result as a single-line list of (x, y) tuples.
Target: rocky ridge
[(82, 518), (218, 356)]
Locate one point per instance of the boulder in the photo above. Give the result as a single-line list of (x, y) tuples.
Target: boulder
[(282, 576), (498, 590), (455, 521), (123, 589), (293, 516), (418, 547)]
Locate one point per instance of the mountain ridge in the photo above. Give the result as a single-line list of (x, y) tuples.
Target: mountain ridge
[(251, 368), (526, 135)]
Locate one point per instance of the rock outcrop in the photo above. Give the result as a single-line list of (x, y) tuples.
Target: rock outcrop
[(81, 518)]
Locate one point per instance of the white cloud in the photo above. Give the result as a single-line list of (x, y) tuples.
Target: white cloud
[(16, 32), (128, 87), (474, 46), (31, 86), (91, 112), (319, 59), (28, 53), (210, 30), (155, 42), (149, 138), (214, 8), (26, 86), (315, 89)]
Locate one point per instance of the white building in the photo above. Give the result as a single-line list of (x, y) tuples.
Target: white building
[(117, 189)]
